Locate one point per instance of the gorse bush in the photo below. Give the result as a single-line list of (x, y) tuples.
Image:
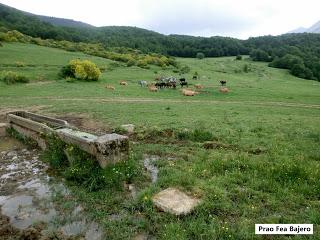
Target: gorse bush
[(82, 70), (13, 77)]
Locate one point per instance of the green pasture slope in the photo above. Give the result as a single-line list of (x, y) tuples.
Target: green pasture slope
[(266, 170)]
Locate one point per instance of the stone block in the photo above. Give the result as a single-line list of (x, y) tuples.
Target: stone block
[(174, 201), (128, 127)]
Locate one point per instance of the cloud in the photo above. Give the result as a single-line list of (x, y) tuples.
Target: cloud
[(193, 17)]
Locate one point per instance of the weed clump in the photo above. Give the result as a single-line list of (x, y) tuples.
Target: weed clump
[(55, 154), (13, 78), (196, 135), (81, 168)]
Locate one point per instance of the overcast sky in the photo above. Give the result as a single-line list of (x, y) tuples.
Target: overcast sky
[(241, 19)]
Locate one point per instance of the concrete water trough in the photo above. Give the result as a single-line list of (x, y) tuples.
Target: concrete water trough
[(108, 148)]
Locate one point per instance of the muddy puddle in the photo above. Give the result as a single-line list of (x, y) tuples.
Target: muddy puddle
[(28, 200), (149, 165)]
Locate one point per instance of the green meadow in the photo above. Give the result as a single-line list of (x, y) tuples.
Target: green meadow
[(261, 164)]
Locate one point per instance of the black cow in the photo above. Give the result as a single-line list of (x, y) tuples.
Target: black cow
[(160, 84), (183, 84), (223, 82), (171, 85)]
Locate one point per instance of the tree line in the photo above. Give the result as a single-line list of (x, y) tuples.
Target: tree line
[(300, 53)]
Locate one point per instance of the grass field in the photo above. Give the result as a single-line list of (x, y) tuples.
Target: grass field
[(266, 170)]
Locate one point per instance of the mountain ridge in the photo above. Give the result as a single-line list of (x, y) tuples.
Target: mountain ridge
[(315, 28)]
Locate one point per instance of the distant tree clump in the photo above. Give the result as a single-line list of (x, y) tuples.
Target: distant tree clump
[(200, 55), (295, 64), (13, 77), (260, 55), (82, 70)]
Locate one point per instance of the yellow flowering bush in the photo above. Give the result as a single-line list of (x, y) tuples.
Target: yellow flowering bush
[(83, 70)]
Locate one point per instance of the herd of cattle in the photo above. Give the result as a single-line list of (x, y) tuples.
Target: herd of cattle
[(172, 82)]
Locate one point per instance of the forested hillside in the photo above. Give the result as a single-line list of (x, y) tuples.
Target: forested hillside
[(300, 53), (63, 22)]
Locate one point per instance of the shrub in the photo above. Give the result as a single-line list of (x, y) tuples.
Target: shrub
[(246, 68), (142, 63), (185, 69), (200, 55), (66, 72), (13, 77), (197, 135), (131, 62), (55, 154), (82, 70), (238, 57), (20, 64)]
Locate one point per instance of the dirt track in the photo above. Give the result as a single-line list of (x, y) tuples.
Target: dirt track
[(154, 100)]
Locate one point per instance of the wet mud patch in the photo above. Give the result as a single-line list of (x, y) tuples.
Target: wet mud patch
[(31, 200), (149, 165)]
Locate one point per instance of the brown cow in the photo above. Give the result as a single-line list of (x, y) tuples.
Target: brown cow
[(153, 88), (224, 90), (198, 86), (188, 92), (110, 87)]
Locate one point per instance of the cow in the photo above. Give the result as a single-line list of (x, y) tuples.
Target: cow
[(171, 85), (110, 87), (198, 86), (160, 85), (143, 83), (183, 82), (153, 89), (188, 92), (224, 90), (223, 82)]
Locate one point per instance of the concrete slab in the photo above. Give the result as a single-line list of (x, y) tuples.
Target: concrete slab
[(174, 201)]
